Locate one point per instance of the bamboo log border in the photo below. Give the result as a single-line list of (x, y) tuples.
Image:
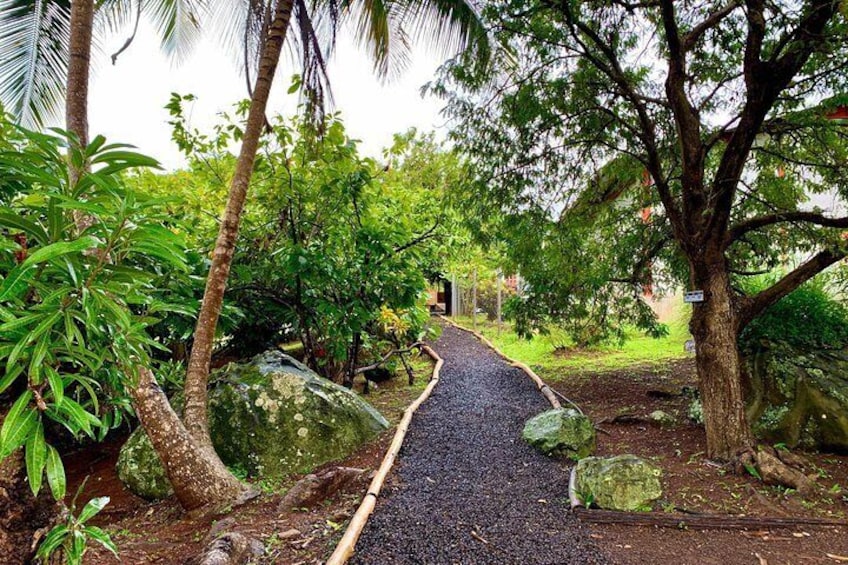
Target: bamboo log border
[(546, 391), (346, 546)]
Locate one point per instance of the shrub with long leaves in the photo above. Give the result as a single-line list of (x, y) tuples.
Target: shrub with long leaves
[(79, 266)]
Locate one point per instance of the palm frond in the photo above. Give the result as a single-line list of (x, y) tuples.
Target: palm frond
[(34, 36), (449, 27), (177, 22), (315, 89), (376, 29)]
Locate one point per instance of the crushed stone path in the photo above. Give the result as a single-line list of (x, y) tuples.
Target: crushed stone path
[(464, 475)]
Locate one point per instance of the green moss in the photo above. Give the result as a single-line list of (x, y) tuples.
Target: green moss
[(561, 432), (624, 482), (271, 417)]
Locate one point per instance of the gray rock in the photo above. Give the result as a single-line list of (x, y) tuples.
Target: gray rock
[(624, 482), (662, 419), (270, 417), (562, 432), (799, 399)]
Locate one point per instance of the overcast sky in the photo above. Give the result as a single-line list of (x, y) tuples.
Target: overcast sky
[(126, 100)]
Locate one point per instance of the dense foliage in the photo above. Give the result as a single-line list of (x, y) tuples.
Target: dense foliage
[(333, 244), (809, 318)]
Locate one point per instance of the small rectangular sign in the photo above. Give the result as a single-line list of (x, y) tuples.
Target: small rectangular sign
[(693, 296)]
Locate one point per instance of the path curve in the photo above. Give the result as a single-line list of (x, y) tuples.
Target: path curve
[(464, 475)]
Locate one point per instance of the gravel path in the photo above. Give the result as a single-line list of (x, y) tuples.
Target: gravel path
[(464, 473)]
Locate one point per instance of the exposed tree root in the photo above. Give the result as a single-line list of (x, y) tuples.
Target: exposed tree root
[(777, 467)]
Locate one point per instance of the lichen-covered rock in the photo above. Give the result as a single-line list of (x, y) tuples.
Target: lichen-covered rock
[(140, 469), (662, 419), (624, 482), (563, 431), (270, 417), (799, 399)]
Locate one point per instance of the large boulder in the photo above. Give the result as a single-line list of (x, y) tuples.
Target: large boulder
[(799, 399), (270, 417), (624, 482), (562, 432)]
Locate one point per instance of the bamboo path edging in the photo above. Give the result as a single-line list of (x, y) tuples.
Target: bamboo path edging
[(546, 391), (346, 546)]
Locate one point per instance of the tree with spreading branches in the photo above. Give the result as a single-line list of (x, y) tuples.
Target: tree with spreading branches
[(698, 140)]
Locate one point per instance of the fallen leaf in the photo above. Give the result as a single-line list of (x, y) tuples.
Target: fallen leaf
[(840, 558)]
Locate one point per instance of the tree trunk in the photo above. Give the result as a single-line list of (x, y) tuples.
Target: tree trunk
[(79, 63), (196, 419), (197, 474), (714, 326)]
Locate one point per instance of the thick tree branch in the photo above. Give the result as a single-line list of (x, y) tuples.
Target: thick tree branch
[(690, 39), (764, 81), (685, 116), (753, 306), (611, 67), (412, 243), (752, 224)]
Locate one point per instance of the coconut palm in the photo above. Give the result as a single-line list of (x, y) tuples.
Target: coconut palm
[(386, 28), (37, 38)]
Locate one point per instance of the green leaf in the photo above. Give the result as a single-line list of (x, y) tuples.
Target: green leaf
[(91, 509), (29, 227), (36, 458), (55, 473), (15, 283), (18, 424), (57, 386), (82, 419), (60, 248), (102, 538), (9, 377), (52, 541)]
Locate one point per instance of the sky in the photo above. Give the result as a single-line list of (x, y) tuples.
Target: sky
[(126, 101)]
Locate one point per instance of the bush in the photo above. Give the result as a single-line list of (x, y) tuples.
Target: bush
[(808, 318)]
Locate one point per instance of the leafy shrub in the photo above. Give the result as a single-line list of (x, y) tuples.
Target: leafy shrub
[(808, 318), (81, 264)]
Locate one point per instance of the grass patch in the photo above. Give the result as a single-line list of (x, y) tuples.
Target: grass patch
[(540, 353)]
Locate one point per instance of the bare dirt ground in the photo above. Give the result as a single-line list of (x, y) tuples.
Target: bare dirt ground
[(161, 533), (695, 484)]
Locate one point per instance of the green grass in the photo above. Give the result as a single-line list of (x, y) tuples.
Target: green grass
[(539, 352)]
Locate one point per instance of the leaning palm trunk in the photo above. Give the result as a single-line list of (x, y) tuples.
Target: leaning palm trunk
[(196, 419)]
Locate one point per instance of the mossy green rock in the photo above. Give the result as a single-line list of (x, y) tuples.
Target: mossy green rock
[(624, 482), (799, 398), (562, 432), (270, 417), (140, 469)]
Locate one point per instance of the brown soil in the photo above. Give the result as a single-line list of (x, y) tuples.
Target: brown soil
[(161, 533), (694, 484)]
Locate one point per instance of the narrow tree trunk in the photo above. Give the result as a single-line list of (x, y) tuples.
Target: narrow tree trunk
[(79, 63), (714, 326), (196, 419), (197, 474), (352, 356)]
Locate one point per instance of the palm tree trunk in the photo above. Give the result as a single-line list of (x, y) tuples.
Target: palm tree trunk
[(197, 474), (76, 96), (79, 63), (197, 376)]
